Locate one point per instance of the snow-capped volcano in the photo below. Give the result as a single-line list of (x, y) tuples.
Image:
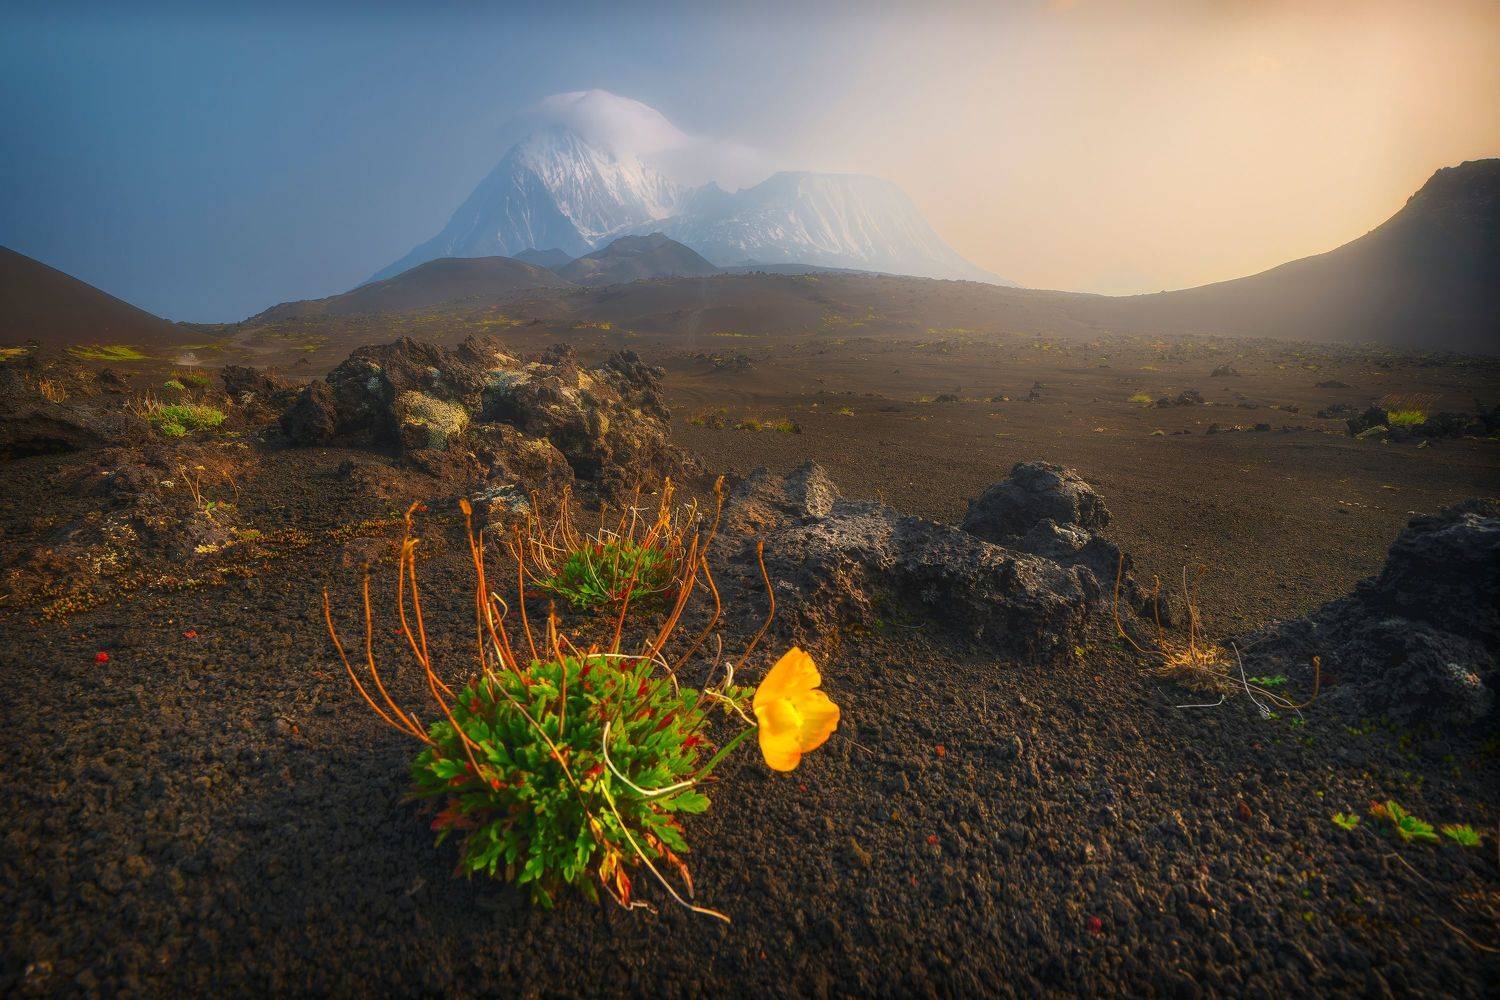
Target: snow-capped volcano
[(553, 189), (594, 166)]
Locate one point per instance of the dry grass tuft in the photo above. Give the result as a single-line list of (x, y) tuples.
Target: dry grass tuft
[(1200, 664)]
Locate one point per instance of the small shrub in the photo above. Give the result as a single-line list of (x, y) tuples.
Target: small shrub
[(601, 573), (1346, 821), (1462, 834), (193, 378), (179, 419), (846, 411), (565, 769), (716, 418), (1405, 418), (781, 425), (1141, 399), (173, 384)]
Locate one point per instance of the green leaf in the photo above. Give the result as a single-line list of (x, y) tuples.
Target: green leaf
[(688, 802)]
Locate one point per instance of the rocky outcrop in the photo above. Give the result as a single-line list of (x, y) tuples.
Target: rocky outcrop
[(72, 419), (252, 387), (1187, 397), (608, 424), (835, 562), (313, 418), (1034, 492), (1419, 642), (1049, 511)]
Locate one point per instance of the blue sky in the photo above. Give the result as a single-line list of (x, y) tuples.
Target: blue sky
[(206, 161), (205, 166)]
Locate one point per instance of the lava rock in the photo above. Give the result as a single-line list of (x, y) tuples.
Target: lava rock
[(246, 386), (609, 425), (834, 562), (313, 419), (1033, 492), (1418, 642), (32, 424), (1187, 397)]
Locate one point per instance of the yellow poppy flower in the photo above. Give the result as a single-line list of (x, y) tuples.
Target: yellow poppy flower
[(794, 718)]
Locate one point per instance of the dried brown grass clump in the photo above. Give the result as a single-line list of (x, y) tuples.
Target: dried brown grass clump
[(1200, 664)]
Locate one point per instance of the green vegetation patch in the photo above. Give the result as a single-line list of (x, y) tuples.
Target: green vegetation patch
[(548, 821), (1405, 418), (107, 352), (601, 574), (180, 419)]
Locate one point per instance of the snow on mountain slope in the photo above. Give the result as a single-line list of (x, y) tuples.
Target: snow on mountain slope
[(593, 166), (833, 220), (553, 189)]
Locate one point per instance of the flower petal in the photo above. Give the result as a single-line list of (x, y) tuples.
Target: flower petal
[(793, 673), (820, 717), (780, 733)]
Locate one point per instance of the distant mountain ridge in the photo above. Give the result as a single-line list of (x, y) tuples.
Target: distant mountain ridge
[(559, 189)]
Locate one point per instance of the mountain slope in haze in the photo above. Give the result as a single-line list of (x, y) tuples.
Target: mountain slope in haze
[(436, 282), (849, 221), (550, 259), (552, 189), (631, 258), (579, 190), (41, 303), (1427, 278)]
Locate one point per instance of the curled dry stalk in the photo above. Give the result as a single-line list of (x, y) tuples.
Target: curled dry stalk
[(497, 657), (1200, 664)]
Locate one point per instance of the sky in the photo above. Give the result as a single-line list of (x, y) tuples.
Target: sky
[(205, 161)]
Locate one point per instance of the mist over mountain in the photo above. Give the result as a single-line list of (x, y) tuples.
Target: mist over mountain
[(594, 166), (833, 220)]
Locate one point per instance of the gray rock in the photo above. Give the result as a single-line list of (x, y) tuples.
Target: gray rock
[(1417, 643), (313, 418), (835, 562), (1035, 491)]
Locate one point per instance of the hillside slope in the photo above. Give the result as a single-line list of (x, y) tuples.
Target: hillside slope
[(437, 282), (632, 258), (1427, 278), (41, 303)]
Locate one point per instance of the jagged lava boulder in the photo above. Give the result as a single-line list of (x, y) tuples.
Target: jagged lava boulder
[(1048, 510), (835, 562), (1418, 643), (608, 424)]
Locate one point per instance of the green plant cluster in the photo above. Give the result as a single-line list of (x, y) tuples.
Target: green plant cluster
[(106, 352), (1407, 826), (538, 803), (178, 419), (1405, 418), (191, 377), (599, 575)]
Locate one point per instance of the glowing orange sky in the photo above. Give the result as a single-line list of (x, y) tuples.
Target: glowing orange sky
[(1130, 147)]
